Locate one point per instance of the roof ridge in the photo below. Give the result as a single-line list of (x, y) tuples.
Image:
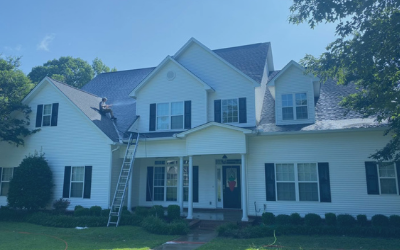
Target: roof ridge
[(125, 70), (234, 47), (72, 87)]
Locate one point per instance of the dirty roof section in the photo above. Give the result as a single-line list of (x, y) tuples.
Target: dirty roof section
[(89, 104)]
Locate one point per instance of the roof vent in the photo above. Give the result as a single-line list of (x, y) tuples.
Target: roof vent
[(171, 75)]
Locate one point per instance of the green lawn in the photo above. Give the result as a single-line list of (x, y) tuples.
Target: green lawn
[(23, 236), (304, 243)]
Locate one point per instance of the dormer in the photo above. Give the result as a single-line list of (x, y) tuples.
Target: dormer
[(294, 93)]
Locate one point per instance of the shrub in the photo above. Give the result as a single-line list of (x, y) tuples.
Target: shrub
[(394, 220), (77, 207), (61, 205), (157, 211), (330, 219), (105, 212), (131, 220), (346, 220), (227, 229), (380, 220), (282, 219), (174, 212), (295, 219), (362, 220), (158, 226), (82, 212), (67, 221), (95, 211), (268, 218), (142, 211), (32, 184), (312, 220)]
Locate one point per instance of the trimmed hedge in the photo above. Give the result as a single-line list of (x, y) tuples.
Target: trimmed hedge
[(156, 225), (296, 219), (362, 220), (82, 212), (380, 220), (394, 221), (268, 218), (174, 212), (157, 211), (312, 220), (346, 220), (142, 211), (283, 219), (95, 211)]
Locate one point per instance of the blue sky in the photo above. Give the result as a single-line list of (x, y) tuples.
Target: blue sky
[(138, 34)]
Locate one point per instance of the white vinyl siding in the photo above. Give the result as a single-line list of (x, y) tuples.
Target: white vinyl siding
[(6, 175)]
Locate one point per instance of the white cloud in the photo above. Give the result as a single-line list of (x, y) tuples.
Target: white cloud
[(44, 44)]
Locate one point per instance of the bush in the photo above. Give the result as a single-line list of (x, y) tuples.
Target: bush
[(105, 212), (95, 211), (158, 226), (82, 212), (142, 211), (61, 205), (77, 207), (346, 220), (157, 211), (394, 220), (312, 220), (227, 229), (295, 219), (268, 218), (282, 219), (362, 220), (32, 184), (330, 219), (67, 221), (174, 212), (131, 220), (380, 220)]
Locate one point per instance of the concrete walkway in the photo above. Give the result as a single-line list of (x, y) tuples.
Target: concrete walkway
[(194, 239)]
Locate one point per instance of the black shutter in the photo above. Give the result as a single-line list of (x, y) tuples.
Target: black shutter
[(324, 182), (372, 177), (54, 114), (398, 175), (242, 110), (195, 183), (88, 182), (270, 181), (188, 114), (39, 113), (67, 181), (152, 120), (217, 111), (149, 184)]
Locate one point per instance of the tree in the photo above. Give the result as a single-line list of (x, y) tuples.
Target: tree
[(14, 116), (366, 52), (32, 183), (73, 71), (99, 67)]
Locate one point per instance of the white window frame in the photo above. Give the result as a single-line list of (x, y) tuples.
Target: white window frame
[(71, 181), (49, 115), (296, 181), (1, 179), (170, 116), (168, 163), (294, 106), (395, 178), (222, 110)]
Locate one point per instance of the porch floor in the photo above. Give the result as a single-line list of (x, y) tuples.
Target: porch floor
[(232, 215)]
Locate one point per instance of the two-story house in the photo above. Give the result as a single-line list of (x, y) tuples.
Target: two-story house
[(219, 129)]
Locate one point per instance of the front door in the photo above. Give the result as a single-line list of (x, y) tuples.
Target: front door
[(231, 186)]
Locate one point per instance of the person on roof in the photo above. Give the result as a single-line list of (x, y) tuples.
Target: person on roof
[(104, 108)]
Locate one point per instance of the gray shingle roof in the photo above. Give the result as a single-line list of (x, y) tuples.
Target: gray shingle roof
[(89, 104), (117, 86), (329, 114)]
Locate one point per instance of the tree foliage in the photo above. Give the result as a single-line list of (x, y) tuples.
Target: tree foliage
[(73, 71), (99, 67), (366, 52), (32, 183), (14, 116)]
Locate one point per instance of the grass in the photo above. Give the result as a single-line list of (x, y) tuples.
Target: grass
[(303, 242), (23, 236)]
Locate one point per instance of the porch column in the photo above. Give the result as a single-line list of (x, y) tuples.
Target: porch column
[(180, 184), (190, 200), (244, 189)]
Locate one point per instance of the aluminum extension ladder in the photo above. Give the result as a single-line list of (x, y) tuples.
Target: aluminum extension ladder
[(123, 180)]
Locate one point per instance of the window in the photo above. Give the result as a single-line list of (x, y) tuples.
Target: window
[(170, 115), (297, 182), (166, 182), (387, 178), (300, 101), (47, 115), (77, 181), (6, 175), (230, 111), (172, 183)]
